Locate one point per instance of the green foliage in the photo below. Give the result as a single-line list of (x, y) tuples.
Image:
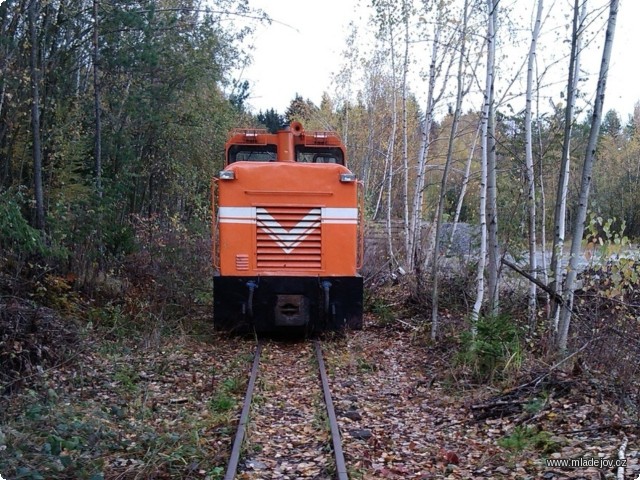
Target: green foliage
[(235, 385), (528, 438), (611, 124), (619, 277), (605, 233), (110, 318), (301, 110), (61, 446), (365, 366), (536, 405), (221, 402), (379, 307), (494, 349), (162, 75), (16, 234), (226, 395), (126, 376)]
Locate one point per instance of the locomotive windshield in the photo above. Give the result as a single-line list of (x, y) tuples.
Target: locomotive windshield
[(306, 154), (252, 153)]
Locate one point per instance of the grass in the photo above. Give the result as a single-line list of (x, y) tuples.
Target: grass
[(365, 365), (222, 402), (528, 438)]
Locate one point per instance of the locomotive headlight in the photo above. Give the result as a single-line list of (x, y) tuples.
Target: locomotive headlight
[(227, 175), (347, 177)]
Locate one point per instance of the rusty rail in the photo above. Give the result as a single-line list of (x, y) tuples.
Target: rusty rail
[(232, 467), (341, 469)]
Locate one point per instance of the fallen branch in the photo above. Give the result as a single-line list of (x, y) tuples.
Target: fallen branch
[(557, 298), (407, 324), (536, 381), (497, 403), (609, 426), (621, 457)]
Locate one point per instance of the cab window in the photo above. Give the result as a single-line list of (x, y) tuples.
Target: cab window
[(319, 155), (252, 153)]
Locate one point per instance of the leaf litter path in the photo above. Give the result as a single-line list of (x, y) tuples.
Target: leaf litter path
[(287, 436), (402, 415), (169, 411)]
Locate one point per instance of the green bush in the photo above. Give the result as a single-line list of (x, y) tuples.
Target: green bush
[(16, 234), (494, 349)]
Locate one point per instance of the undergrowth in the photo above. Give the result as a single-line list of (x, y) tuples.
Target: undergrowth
[(528, 438), (88, 390), (493, 350)]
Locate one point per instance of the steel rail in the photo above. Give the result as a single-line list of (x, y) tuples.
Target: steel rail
[(244, 418), (341, 467)]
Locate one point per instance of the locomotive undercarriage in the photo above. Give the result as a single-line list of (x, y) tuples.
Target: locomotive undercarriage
[(278, 304)]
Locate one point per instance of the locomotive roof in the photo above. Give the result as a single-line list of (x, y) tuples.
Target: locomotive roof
[(260, 136)]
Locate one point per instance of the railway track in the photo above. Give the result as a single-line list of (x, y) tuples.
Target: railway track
[(282, 428)]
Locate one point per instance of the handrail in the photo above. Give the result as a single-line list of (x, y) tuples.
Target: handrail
[(360, 233), (214, 226)]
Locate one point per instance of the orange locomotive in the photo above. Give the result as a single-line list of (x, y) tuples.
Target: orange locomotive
[(287, 234)]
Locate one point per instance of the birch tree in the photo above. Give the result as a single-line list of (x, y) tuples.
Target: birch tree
[(590, 157), (543, 207), (531, 197), (490, 147), (487, 117), (445, 173), (415, 228), (484, 164), (439, 66), (563, 178), (386, 11), (405, 139)]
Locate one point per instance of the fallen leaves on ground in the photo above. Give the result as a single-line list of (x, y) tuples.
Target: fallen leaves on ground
[(123, 411), (404, 416), (287, 437), (170, 409)]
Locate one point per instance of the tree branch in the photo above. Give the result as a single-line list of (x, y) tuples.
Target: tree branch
[(544, 287)]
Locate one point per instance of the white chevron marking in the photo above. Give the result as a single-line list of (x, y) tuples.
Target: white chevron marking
[(288, 240)]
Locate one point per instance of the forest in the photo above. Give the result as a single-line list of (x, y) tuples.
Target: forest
[(502, 223)]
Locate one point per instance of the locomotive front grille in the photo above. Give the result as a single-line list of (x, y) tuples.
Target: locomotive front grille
[(289, 238)]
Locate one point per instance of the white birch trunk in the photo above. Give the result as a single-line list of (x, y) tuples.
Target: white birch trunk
[(490, 147), (543, 219), (482, 254), (477, 306), (415, 224), (445, 175), (590, 154), (557, 270), (391, 147), (405, 140), (531, 184)]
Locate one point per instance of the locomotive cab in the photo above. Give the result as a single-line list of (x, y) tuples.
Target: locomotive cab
[(287, 234)]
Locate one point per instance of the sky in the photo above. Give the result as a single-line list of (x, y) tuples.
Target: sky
[(298, 52), (301, 50)]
